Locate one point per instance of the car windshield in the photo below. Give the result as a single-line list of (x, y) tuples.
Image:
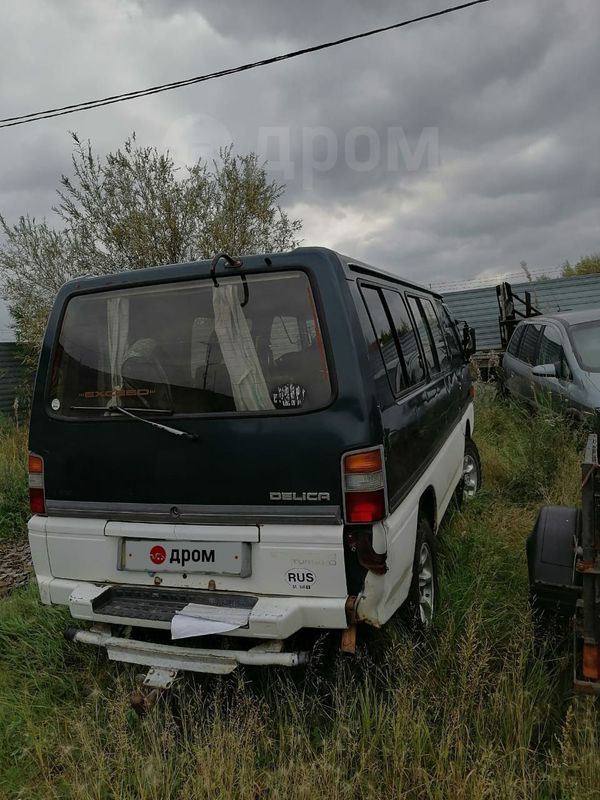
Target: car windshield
[(248, 344), (586, 339)]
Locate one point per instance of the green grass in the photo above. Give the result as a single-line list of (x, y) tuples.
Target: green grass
[(469, 711)]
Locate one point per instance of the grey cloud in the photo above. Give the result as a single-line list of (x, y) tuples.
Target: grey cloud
[(509, 86)]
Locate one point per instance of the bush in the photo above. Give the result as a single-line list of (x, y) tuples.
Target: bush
[(14, 502)]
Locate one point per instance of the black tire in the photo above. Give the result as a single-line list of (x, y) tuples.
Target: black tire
[(467, 487), (414, 612)]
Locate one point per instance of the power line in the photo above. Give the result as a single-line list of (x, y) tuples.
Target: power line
[(9, 122)]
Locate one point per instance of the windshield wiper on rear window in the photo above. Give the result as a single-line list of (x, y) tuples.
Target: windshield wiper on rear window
[(165, 411), (128, 413)]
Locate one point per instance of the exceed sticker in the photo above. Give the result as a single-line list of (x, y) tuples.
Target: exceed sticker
[(93, 395)]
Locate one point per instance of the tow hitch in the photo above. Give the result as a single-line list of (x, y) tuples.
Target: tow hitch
[(152, 685)]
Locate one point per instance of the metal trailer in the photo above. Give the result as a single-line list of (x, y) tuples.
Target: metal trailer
[(512, 308), (563, 555)]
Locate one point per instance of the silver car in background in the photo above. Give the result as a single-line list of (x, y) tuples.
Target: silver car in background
[(557, 355)]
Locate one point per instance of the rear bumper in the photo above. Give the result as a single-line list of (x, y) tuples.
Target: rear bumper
[(189, 659), (270, 618)]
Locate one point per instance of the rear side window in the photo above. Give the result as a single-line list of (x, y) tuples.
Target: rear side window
[(414, 371), (528, 345), (424, 333), (383, 340), (439, 342), (452, 338), (515, 340), (192, 348)]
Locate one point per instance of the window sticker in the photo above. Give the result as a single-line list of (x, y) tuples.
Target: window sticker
[(288, 395), (55, 404)]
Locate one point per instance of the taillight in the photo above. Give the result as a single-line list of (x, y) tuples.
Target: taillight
[(364, 486), (37, 503)]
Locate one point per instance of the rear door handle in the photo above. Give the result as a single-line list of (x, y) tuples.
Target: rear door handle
[(431, 393)]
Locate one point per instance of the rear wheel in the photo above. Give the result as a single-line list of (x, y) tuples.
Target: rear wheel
[(470, 483), (421, 604)]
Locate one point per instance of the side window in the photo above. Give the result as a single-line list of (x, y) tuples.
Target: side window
[(528, 343), (551, 352), (452, 337), (424, 333), (383, 341), (439, 342), (515, 340), (414, 370), (550, 346)]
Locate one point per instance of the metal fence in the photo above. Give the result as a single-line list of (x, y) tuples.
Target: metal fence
[(479, 307)]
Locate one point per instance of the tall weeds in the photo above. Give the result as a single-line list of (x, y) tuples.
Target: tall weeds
[(469, 711)]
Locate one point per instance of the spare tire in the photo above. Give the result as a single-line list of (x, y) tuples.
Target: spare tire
[(554, 583)]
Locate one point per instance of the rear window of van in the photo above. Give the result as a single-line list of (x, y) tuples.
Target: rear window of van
[(249, 344)]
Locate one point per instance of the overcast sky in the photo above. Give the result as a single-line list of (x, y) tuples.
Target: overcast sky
[(446, 151)]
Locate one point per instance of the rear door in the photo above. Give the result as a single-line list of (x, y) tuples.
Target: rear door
[(459, 376), (510, 362), (439, 406), (522, 384), (244, 366)]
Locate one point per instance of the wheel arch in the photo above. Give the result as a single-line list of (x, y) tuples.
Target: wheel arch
[(428, 507), (468, 421)]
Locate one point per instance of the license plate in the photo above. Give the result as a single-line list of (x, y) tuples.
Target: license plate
[(224, 558)]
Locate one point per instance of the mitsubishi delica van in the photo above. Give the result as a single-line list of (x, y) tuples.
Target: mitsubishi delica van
[(228, 455)]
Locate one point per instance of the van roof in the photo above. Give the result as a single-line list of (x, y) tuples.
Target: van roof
[(194, 269), (355, 265)]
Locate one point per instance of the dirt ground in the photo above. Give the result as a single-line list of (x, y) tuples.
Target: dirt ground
[(15, 565)]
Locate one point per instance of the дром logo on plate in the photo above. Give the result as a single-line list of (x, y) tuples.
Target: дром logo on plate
[(158, 554)]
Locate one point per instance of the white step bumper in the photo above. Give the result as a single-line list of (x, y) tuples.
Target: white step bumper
[(270, 618)]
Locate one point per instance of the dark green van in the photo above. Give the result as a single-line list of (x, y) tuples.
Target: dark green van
[(247, 449)]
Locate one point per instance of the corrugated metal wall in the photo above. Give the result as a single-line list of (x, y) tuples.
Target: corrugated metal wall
[(480, 307), (12, 373)]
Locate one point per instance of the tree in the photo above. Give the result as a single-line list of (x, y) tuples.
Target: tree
[(588, 265), (133, 209)]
